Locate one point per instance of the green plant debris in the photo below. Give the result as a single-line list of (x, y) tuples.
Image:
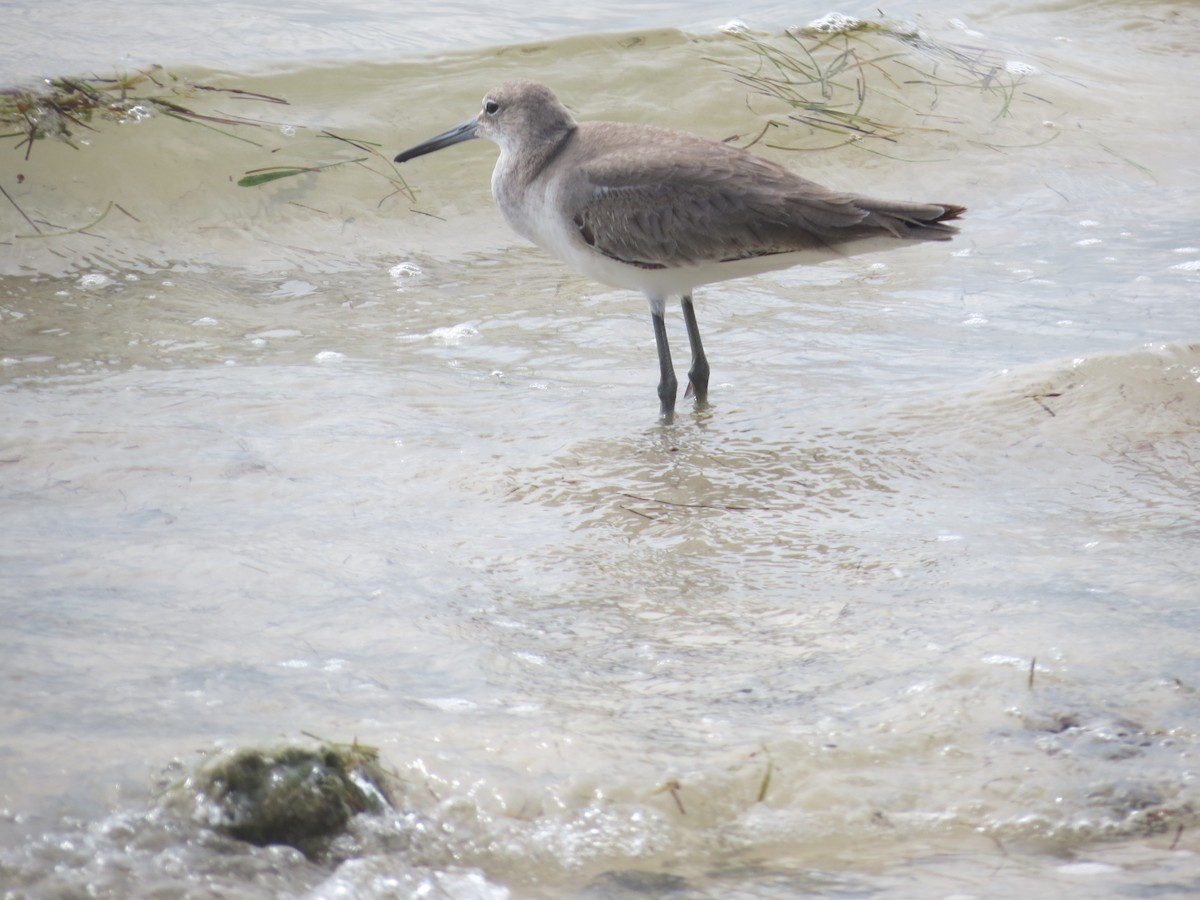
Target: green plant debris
[(867, 83), (255, 177), (61, 107), (374, 162), (388, 172)]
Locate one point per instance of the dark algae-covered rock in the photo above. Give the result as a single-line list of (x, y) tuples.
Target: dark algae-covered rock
[(297, 796)]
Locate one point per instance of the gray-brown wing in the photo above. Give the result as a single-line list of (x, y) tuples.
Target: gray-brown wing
[(697, 201)]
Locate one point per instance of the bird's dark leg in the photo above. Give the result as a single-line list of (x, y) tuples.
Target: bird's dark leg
[(698, 374), (667, 385)]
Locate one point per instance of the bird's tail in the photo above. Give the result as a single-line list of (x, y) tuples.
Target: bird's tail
[(915, 221)]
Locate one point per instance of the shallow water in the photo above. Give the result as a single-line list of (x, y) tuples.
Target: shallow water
[(910, 610)]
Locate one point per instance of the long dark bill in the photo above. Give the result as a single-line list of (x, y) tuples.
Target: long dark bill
[(463, 132)]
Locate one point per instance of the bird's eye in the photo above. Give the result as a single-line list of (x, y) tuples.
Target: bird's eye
[(491, 107)]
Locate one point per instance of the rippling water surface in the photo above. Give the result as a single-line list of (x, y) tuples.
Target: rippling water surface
[(909, 611)]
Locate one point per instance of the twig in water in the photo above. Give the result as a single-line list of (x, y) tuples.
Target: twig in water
[(673, 787), (1037, 398), (82, 228), (766, 781), (16, 206)]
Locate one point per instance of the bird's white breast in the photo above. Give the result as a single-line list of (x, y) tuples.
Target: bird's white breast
[(536, 212)]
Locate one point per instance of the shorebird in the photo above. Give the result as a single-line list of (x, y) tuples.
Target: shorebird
[(663, 212)]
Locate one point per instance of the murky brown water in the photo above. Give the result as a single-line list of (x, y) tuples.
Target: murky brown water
[(320, 456)]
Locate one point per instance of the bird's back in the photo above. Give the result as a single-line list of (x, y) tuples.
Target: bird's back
[(653, 197)]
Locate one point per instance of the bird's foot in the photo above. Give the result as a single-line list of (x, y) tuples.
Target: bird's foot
[(701, 396)]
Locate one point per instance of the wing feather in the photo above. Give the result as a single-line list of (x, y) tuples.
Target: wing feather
[(693, 201)]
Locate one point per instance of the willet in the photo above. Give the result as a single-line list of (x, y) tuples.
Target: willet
[(664, 212)]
